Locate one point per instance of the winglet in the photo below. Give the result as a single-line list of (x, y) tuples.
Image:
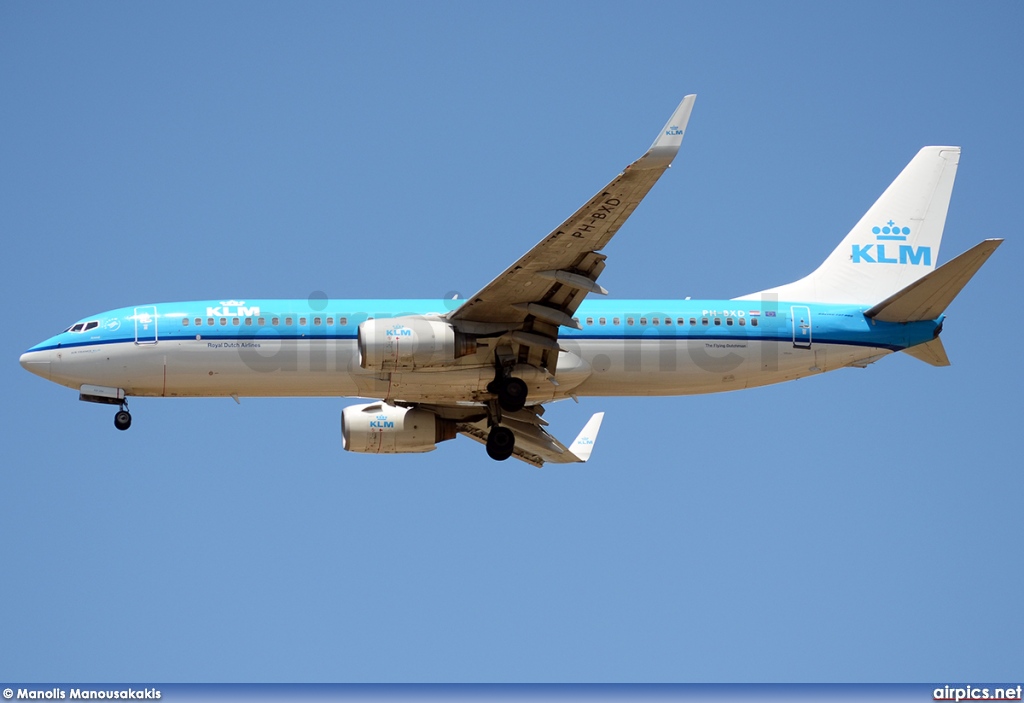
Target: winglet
[(584, 443), (666, 146)]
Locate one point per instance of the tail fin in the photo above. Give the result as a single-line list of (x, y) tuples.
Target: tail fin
[(895, 243)]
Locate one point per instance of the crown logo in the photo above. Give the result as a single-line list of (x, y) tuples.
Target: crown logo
[(891, 232)]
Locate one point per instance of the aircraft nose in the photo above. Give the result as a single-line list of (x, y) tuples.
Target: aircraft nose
[(35, 362)]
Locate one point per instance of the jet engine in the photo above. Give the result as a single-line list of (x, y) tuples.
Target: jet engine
[(411, 342), (378, 428)]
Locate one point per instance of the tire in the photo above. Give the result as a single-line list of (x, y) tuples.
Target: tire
[(500, 443), (512, 394), (122, 420)]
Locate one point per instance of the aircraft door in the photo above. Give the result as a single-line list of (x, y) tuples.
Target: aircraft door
[(146, 325), (801, 315)]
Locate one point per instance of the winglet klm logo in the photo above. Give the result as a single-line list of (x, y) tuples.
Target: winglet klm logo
[(876, 254), (673, 131)]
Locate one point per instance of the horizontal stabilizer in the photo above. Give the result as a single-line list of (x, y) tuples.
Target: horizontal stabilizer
[(930, 353), (928, 297)]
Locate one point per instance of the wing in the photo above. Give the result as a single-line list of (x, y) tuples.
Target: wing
[(542, 290), (534, 444)]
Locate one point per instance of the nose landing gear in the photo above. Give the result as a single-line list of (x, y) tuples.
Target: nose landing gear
[(123, 418)]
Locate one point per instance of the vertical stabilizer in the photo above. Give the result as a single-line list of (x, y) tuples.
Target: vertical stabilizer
[(895, 243)]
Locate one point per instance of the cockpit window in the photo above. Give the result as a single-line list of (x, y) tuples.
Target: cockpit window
[(91, 326), (77, 328), (83, 326)]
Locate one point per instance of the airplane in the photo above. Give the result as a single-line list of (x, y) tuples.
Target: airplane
[(484, 367)]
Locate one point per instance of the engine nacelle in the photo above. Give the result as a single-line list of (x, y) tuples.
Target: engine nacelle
[(378, 428), (411, 342)]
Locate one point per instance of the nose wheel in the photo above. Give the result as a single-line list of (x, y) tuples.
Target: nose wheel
[(123, 418)]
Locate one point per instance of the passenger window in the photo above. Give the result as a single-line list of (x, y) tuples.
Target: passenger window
[(668, 320), (590, 321), (302, 322), (681, 321), (602, 320), (615, 321), (223, 321), (199, 321), (718, 321), (261, 321), (330, 321), (317, 321), (629, 321), (288, 321), (753, 322), (248, 322), (743, 321), (342, 321), (693, 321), (728, 321), (654, 321), (185, 322), (275, 321), (234, 321), (643, 320), (704, 321)]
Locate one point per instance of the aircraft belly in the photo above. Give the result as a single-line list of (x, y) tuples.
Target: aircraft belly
[(685, 367), (137, 369), (646, 366), (225, 367)]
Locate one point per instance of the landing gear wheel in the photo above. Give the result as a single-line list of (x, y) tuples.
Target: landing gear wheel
[(512, 394), (500, 443), (122, 420)]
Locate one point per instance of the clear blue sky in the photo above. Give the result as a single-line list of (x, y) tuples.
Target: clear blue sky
[(865, 525)]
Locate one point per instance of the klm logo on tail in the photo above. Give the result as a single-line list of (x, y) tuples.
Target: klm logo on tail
[(906, 253)]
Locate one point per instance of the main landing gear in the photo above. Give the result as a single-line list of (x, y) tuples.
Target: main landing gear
[(500, 443), (123, 418), (511, 391), (511, 395)]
